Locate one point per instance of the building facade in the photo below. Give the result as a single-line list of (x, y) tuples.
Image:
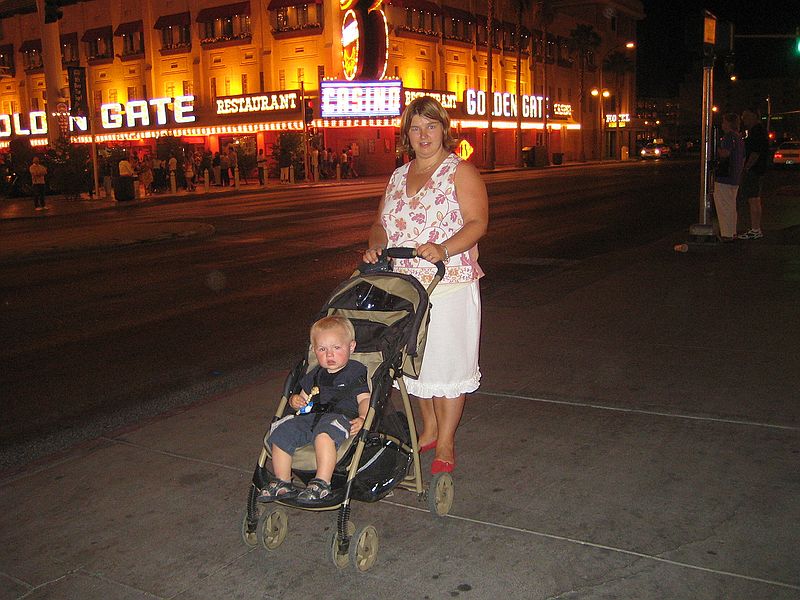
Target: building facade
[(215, 73)]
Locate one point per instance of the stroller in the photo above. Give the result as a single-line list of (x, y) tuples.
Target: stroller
[(390, 313)]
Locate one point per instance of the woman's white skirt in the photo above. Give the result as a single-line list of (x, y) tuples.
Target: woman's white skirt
[(450, 364)]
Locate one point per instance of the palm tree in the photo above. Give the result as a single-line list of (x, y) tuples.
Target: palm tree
[(619, 64), (583, 40), (490, 155), (521, 7)]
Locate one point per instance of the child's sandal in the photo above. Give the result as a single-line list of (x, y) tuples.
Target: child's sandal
[(316, 492), (277, 490)]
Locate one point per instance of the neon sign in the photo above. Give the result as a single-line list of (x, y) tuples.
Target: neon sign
[(365, 39), (139, 111), (346, 99), (269, 102), (504, 105), (562, 110), (113, 115), (446, 99)]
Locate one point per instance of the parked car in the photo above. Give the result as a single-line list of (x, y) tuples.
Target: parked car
[(787, 154), (654, 150)]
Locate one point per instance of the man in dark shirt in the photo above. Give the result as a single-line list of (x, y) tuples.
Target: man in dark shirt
[(755, 165)]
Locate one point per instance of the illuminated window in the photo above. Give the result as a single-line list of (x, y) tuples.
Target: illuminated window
[(297, 18), (69, 48), (188, 88), (132, 93), (244, 83), (213, 87), (281, 79), (32, 59), (112, 95), (301, 73)]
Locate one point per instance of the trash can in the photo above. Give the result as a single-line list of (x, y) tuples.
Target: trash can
[(624, 151), (558, 158), (529, 156)]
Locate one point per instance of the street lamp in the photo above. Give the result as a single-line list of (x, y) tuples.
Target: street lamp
[(604, 93)]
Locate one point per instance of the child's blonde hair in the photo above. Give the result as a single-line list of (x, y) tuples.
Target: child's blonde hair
[(334, 322)]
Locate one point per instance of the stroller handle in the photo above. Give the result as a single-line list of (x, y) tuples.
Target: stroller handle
[(396, 252), (412, 253)]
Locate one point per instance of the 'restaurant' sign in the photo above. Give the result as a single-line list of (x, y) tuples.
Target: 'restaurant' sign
[(267, 102), (448, 100)]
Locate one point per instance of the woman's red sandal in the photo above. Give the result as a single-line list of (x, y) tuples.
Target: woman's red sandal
[(428, 447), (442, 466)]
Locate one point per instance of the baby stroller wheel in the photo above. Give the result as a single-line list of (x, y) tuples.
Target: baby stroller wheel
[(249, 535), (364, 548), (272, 528), (440, 494), (340, 558)]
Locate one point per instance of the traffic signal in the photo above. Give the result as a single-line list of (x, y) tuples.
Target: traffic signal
[(52, 11), (308, 111), (797, 41)]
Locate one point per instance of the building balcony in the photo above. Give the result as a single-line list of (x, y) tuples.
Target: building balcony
[(418, 33), (179, 48), (223, 41), (133, 55), (100, 59), (297, 31)]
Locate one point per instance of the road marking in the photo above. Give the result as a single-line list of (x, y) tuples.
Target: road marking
[(640, 411), (625, 551)]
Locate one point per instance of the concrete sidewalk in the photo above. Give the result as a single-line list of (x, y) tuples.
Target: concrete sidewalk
[(636, 435)]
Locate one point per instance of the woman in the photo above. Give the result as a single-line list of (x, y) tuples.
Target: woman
[(438, 204), (730, 159), (146, 175)]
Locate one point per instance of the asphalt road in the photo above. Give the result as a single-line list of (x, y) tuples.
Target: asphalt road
[(95, 340)]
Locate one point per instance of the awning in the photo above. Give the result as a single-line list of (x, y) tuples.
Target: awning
[(128, 28), (457, 13), (421, 5), (97, 33), (207, 15), (31, 45), (69, 39), (276, 4), (164, 21)]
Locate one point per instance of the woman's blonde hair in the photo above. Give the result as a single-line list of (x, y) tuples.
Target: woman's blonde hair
[(428, 107), (334, 322)]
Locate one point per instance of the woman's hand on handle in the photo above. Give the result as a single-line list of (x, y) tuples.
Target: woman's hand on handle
[(433, 252), (371, 255)]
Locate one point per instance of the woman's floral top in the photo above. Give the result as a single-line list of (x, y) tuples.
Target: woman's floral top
[(430, 215)]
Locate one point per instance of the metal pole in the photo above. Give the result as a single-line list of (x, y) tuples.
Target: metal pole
[(602, 116), (705, 145)]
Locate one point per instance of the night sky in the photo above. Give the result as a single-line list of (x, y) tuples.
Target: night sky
[(663, 58)]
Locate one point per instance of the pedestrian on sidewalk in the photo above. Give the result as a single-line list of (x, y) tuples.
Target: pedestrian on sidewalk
[(261, 163), (125, 187), (730, 159), (224, 169), (38, 173), (438, 177), (756, 145)]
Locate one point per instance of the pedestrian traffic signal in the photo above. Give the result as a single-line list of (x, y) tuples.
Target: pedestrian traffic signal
[(52, 11), (308, 111)]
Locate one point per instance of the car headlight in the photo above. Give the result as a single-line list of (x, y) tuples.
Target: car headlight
[(657, 151)]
